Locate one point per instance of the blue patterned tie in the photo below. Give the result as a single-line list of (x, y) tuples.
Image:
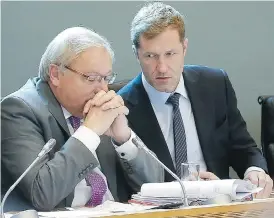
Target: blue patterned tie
[(94, 180), (178, 132)]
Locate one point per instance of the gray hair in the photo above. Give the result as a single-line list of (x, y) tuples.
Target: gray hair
[(67, 45), (155, 17)]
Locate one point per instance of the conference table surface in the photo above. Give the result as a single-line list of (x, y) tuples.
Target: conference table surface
[(263, 208), (255, 209)]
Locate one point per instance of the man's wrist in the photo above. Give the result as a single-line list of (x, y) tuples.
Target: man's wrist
[(122, 139)]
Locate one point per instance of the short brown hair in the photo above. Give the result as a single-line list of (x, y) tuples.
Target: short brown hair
[(153, 19)]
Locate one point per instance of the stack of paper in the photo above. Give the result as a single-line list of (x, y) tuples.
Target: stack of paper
[(170, 192)]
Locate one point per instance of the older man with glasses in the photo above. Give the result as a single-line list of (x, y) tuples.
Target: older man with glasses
[(70, 102)]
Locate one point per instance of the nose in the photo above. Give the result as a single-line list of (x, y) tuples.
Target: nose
[(102, 85), (161, 65)]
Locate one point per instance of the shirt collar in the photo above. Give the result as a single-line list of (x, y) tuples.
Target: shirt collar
[(157, 97), (66, 113)]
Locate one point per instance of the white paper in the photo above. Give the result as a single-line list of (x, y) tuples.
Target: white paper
[(7, 215), (108, 208), (200, 189)]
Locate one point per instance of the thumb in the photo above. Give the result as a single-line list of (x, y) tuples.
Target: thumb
[(208, 176)]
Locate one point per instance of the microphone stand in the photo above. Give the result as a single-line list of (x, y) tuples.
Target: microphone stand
[(29, 213), (138, 142)]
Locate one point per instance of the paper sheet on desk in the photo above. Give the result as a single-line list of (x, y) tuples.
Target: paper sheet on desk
[(236, 188), (108, 208)]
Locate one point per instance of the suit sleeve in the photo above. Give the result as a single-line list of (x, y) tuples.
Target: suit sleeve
[(139, 167), (55, 176), (244, 152)]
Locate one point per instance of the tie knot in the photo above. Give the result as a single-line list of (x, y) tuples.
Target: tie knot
[(75, 122), (174, 99)]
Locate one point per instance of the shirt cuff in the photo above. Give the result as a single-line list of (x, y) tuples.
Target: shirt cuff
[(249, 169), (127, 150), (89, 138)]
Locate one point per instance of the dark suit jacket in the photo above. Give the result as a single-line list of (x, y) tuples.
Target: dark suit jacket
[(30, 117), (222, 132)]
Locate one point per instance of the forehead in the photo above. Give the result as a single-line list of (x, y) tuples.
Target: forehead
[(168, 39), (94, 59)]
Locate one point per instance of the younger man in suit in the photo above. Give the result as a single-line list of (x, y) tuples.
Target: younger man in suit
[(187, 113)]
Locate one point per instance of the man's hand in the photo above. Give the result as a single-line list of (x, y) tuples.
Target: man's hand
[(208, 176), (261, 179), (102, 110), (118, 129)]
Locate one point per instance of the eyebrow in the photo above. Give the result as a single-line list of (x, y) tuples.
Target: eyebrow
[(98, 74), (149, 52)]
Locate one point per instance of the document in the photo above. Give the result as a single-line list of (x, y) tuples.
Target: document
[(236, 188), (196, 191)]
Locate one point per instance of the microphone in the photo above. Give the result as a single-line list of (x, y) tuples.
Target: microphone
[(29, 213), (139, 144)]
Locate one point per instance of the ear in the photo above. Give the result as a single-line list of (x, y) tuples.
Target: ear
[(54, 76), (185, 44), (135, 52)]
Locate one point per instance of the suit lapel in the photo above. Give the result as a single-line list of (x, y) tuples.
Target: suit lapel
[(202, 107), (54, 107), (143, 121)]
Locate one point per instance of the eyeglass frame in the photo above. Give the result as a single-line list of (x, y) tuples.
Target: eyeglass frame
[(93, 78)]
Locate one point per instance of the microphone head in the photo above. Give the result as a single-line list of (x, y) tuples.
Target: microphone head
[(49, 145), (137, 142)]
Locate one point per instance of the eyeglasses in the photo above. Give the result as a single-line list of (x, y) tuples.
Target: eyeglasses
[(92, 78)]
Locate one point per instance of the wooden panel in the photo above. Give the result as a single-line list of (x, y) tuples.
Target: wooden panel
[(255, 209)]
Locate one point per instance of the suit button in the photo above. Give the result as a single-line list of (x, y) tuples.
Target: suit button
[(122, 154)]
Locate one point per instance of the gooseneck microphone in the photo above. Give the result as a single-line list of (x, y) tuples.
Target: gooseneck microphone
[(139, 144), (29, 213)]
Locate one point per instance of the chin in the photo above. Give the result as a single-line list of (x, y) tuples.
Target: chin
[(165, 88)]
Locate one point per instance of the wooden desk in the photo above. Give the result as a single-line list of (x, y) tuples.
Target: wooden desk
[(255, 209)]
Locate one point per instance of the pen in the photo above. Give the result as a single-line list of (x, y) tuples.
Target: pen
[(168, 206)]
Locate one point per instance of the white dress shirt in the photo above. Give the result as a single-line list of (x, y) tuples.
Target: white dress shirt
[(82, 192), (164, 115)]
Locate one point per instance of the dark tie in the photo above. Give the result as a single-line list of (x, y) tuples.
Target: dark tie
[(94, 180), (178, 132)]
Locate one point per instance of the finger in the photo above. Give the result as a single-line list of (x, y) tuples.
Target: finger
[(121, 100), (115, 102), (213, 177), (261, 179), (261, 183), (109, 96), (203, 175), (208, 176), (114, 113), (86, 108), (122, 110), (98, 96), (268, 187), (253, 178)]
